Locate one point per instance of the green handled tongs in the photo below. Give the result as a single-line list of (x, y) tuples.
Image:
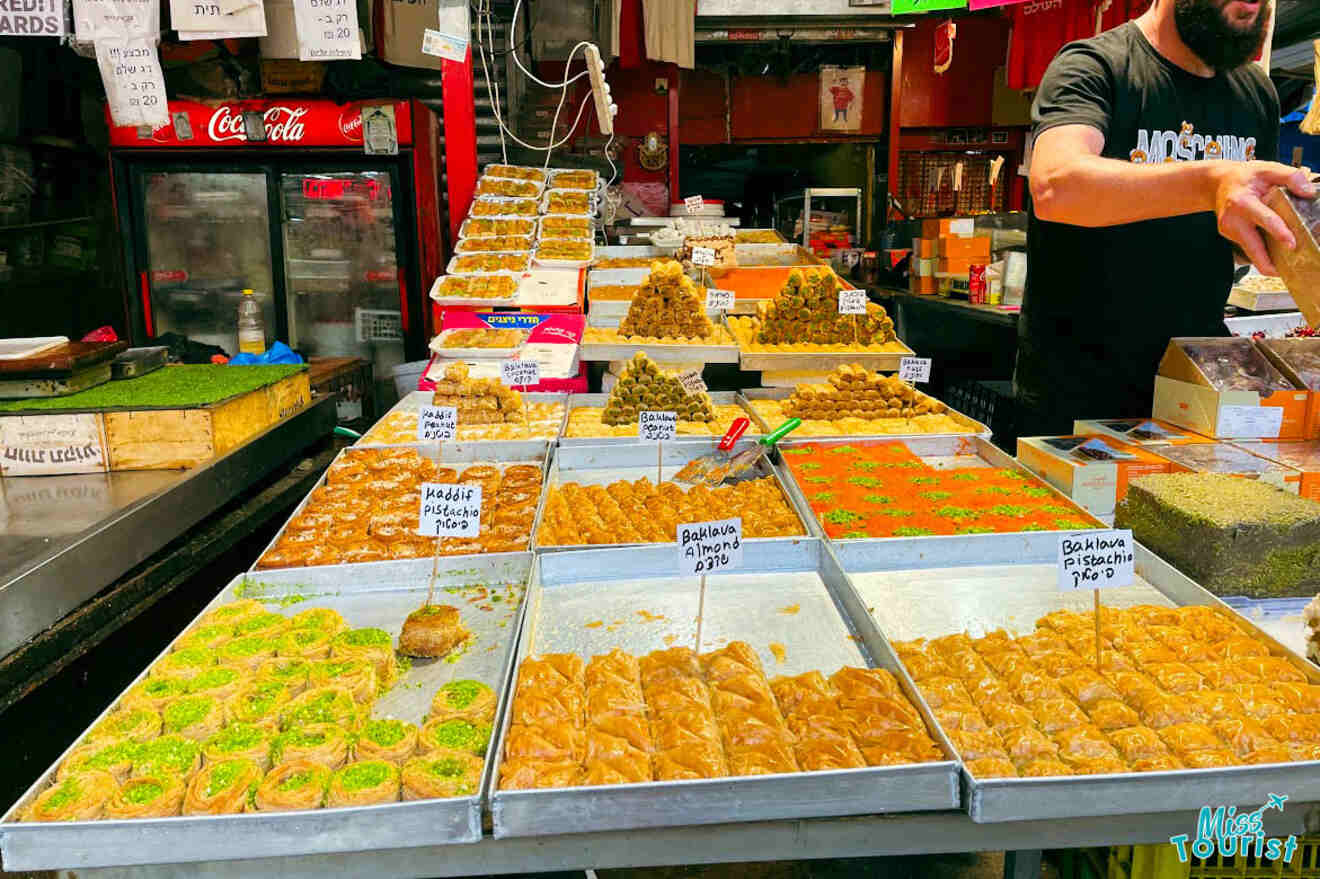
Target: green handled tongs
[(748, 458)]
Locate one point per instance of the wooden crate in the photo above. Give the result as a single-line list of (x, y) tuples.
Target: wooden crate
[(145, 439)]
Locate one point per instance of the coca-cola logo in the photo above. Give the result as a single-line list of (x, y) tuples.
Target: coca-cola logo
[(350, 124), (283, 124)]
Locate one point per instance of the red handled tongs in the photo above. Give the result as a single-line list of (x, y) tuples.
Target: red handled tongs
[(697, 469)]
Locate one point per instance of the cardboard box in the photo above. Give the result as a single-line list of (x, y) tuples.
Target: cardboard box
[(281, 76), (281, 39), (1296, 359), (976, 249), (923, 248), (1186, 396), (1092, 470), (953, 268), (1303, 457), (1230, 460), (1144, 432), (923, 284), (403, 24), (963, 227)]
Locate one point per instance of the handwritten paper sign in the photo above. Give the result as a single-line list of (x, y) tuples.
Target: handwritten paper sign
[(437, 423), (852, 302), (111, 19), (656, 427), (327, 30), (449, 510), (708, 547), (1096, 560), (693, 204), (134, 83), (718, 300), (692, 382), (703, 256), (520, 373), (1249, 421), (914, 369)]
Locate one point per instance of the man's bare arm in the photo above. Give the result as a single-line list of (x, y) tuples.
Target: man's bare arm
[(1072, 183)]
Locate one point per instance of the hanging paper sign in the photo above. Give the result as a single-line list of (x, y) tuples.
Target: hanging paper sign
[(32, 18), (379, 137), (217, 19), (115, 19), (841, 90), (916, 7), (134, 83), (327, 30)]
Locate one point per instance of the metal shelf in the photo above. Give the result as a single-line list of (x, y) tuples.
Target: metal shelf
[(38, 224)]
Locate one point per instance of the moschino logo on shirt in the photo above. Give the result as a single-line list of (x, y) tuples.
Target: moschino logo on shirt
[(1185, 145)]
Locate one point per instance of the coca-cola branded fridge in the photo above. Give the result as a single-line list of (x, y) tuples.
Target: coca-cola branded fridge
[(281, 197)]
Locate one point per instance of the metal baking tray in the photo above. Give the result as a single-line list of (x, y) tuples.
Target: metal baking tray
[(383, 600), (601, 465), (942, 452), (500, 454), (651, 609), (911, 595), (886, 361), (625, 250), (786, 255), (622, 277), (657, 352), (575, 401), (974, 427), (508, 450)]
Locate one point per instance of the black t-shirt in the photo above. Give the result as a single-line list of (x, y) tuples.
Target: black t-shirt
[(1102, 303)]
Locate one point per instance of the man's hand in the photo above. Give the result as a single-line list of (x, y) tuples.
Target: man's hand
[(1239, 188)]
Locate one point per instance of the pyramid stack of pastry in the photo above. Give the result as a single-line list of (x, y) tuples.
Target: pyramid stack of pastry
[(645, 387), (478, 400), (667, 305), (853, 391), (807, 310)]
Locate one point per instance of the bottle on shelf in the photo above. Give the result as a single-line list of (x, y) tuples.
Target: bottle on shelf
[(251, 325)]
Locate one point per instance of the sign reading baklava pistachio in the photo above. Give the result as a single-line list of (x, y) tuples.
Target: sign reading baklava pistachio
[(719, 300), (450, 510), (437, 423), (710, 547), (520, 373), (656, 427), (852, 302), (914, 369), (1096, 560), (703, 256)]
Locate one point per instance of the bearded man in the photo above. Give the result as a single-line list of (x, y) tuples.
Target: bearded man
[(1146, 177)]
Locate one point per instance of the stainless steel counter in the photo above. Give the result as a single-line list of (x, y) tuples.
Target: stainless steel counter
[(65, 538)]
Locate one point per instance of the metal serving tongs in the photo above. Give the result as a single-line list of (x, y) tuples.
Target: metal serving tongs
[(696, 470), (748, 458)]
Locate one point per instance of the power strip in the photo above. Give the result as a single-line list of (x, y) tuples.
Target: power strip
[(600, 89)]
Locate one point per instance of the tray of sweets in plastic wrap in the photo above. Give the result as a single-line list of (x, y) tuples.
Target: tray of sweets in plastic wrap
[(786, 605), (1193, 704), (488, 593)]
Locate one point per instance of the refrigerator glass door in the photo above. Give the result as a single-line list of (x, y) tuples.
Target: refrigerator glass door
[(341, 263), (208, 238)]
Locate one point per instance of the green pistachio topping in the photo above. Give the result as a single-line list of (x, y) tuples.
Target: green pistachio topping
[(461, 694), (258, 623), (172, 753), (67, 791), (192, 657), (223, 775), (316, 618), (326, 707), (220, 676), (365, 775), (339, 668), (260, 698), (461, 735), (210, 633), (286, 669), (236, 737), (305, 637), (187, 711), (160, 688), (385, 732), (114, 755), (366, 638), (296, 781), (447, 767), (143, 790), (248, 646)]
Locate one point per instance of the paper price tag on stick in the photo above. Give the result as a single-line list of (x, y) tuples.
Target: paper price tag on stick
[(693, 204), (709, 547), (1096, 560), (719, 300), (656, 427), (520, 373), (914, 369), (692, 382), (449, 510), (703, 256), (437, 423), (852, 302)]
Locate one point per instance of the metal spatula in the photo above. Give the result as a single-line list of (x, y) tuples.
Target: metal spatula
[(748, 458), (695, 470)]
